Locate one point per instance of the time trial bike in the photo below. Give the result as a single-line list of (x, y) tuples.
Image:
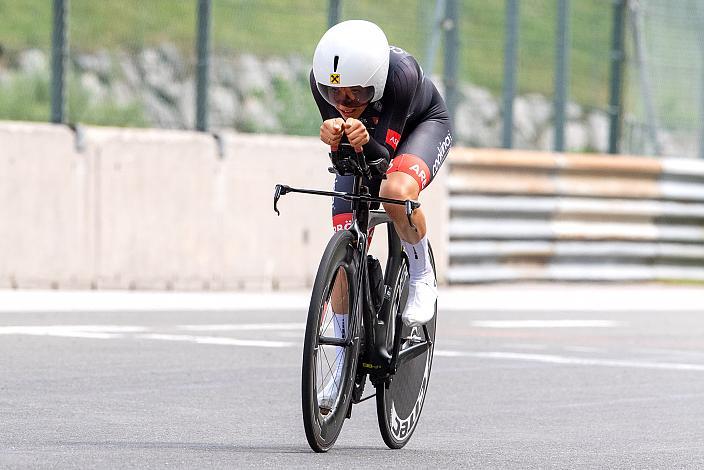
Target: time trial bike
[(375, 343)]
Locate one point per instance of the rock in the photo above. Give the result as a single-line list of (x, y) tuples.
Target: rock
[(251, 75), (576, 137), (279, 68), (471, 129), (33, 62), (224, 72), (90, 83), (540, 110), (490, 136), (130, 71), (158, 75), (546, 140), (172, 58), (476, 117), (100, 64), (186, 107), (573, 111), (482, 101), (521, 142), (263, 95), (257, 117), (437, 81), (160, 113), (598, 130), (225, 107), (466, 122), (122, 94), (300, 66), (525, 127), (679, 144)]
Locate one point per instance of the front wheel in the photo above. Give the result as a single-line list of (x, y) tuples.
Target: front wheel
[(330, 352), (400, 402)]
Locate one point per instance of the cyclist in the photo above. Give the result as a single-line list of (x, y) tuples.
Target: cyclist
[(377, 98)]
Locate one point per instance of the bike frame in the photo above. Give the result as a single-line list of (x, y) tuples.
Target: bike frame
[(378, 361)]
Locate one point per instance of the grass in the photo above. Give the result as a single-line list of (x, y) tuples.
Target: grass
[(283, 27), (26, 98)]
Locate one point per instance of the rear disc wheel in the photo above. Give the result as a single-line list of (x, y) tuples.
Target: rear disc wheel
[(400, 401)]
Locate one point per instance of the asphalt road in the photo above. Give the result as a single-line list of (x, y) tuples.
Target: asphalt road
[(569, 386)]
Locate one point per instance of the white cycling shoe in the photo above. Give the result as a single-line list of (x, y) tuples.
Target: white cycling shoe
[(328, 395), (420, 306)]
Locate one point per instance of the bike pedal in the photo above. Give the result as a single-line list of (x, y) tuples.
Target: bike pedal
[(414, 338)]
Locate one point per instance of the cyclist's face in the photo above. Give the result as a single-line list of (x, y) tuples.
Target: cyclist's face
[(350, 101)]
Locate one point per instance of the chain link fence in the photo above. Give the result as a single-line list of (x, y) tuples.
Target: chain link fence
[(665, 84), (134, 63)]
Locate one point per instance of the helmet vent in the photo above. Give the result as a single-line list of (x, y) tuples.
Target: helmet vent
[(335, 61)]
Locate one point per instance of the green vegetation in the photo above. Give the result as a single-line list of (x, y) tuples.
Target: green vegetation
[(283, 27), (296, 95), (26, 98)]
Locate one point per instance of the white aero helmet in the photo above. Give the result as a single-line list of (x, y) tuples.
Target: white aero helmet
[(353, 55)]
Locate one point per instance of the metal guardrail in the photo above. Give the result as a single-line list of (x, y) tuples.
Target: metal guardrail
[(518, 215)]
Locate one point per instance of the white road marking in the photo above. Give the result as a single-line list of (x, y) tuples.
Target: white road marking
[(219, 340), (547, 323), (500, 298), (671, 352), (73, 331), (143, 332), (244, 327), (564, 360), (115, 331), (535, 347), (12, 301), (583, 349)]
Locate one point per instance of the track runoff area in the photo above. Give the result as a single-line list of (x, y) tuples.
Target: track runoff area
[(529, 376)]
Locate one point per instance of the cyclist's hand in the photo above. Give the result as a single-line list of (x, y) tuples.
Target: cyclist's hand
[(331, 132), (356, 133)]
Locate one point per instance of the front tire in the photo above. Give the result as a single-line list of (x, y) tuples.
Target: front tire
[(320, 375)]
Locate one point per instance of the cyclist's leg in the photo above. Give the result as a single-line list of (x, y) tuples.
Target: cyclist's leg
[(341, 220), (418, 160)]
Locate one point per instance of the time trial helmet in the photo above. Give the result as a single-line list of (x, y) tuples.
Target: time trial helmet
[(351, 63)]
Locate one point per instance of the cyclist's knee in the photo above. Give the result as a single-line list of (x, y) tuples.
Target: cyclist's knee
[(399, 185), (413, 167)]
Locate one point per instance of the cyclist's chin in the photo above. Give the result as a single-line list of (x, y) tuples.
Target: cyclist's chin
[(351, 112)]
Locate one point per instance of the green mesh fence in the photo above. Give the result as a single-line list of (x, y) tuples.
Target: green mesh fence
[(665, 78), (132, 63), (25, 60)]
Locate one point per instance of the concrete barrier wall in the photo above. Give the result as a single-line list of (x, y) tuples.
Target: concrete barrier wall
[(46, 207), (155, 209)]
